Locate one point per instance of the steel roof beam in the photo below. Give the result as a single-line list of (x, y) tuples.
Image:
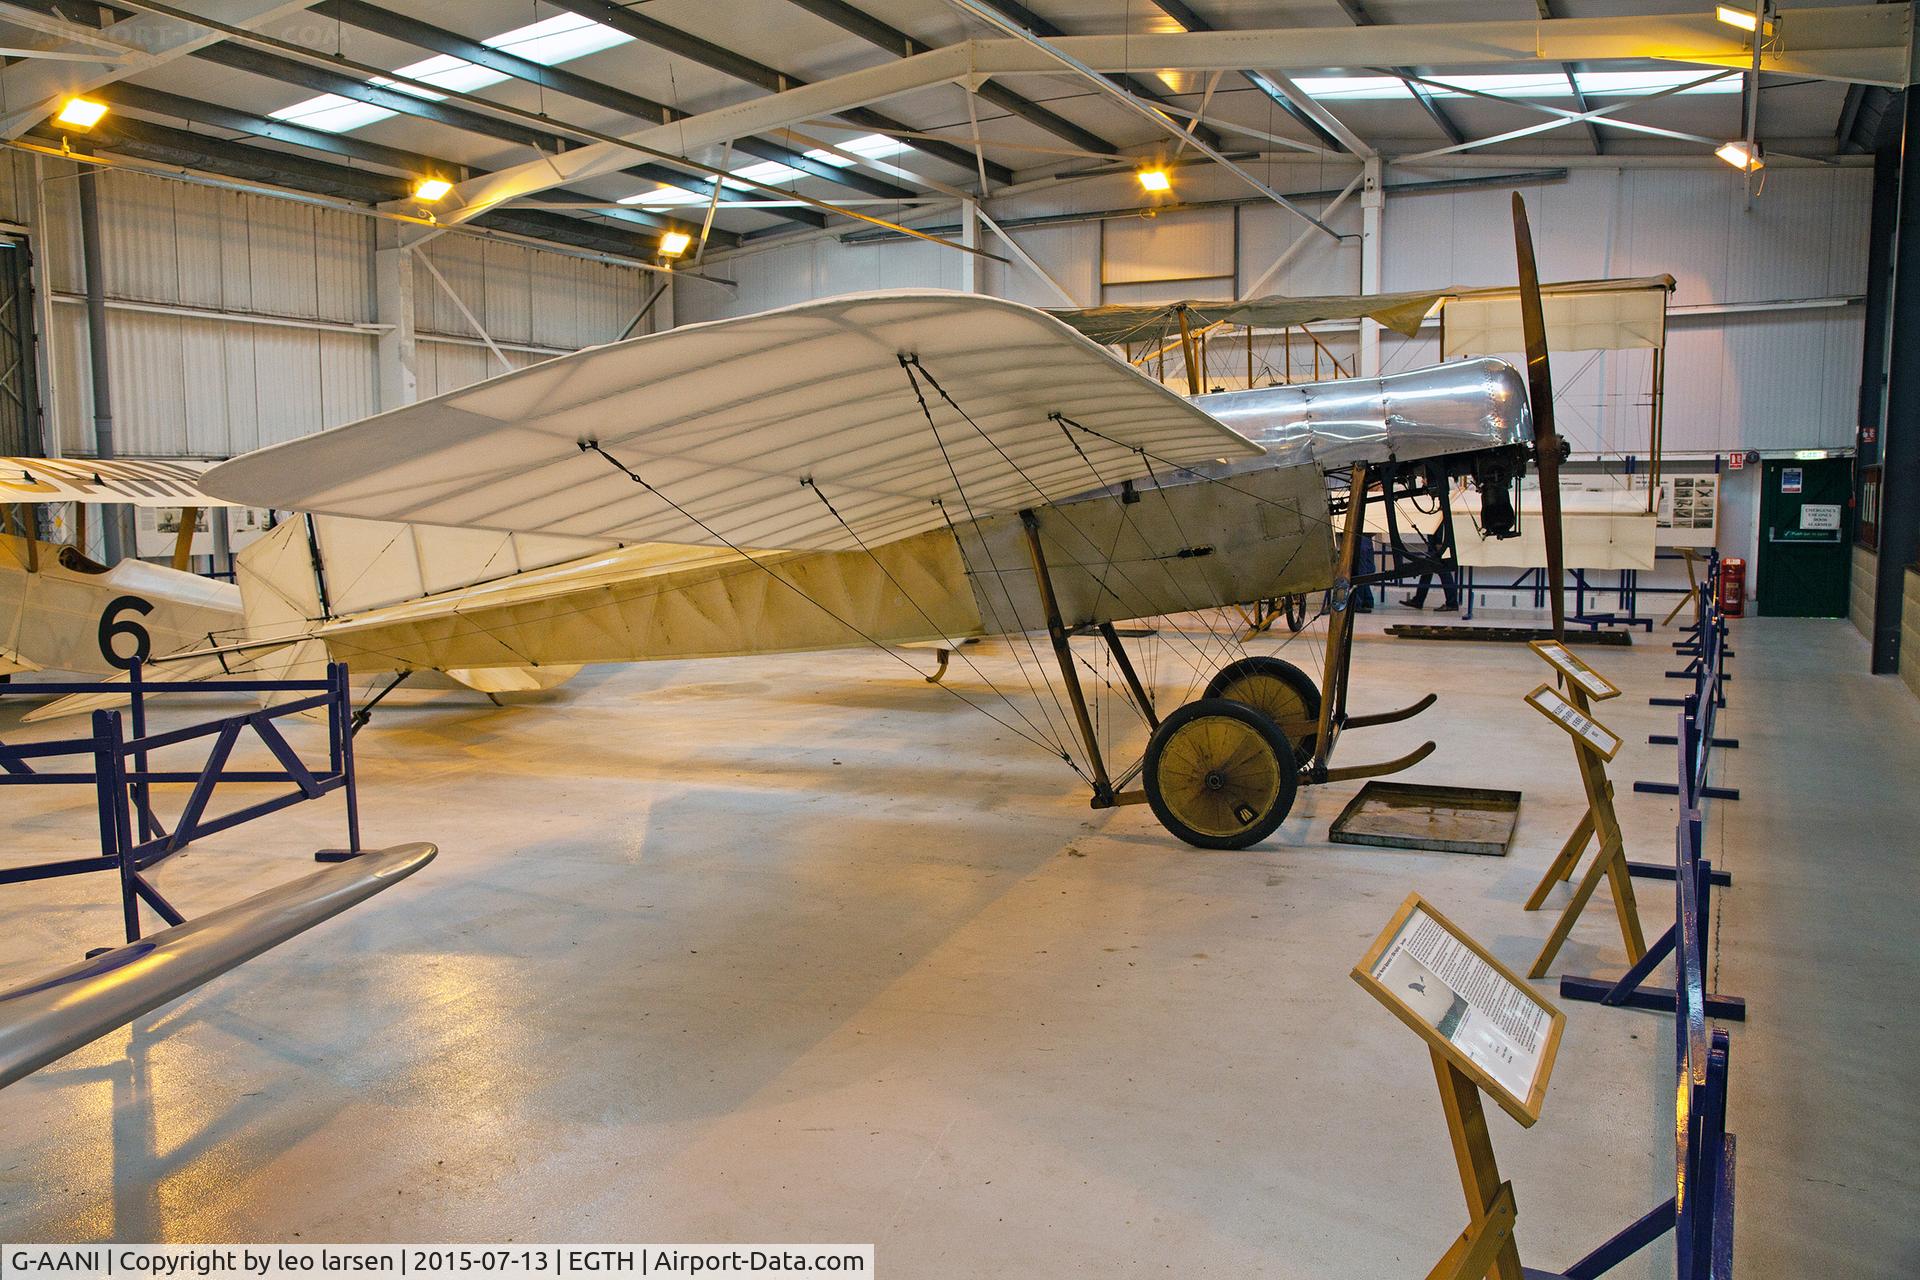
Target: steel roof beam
[(424, 35), (411, 164), (163, 144), (286, 70), (140, 98), (1189, 136), (1863, 43), (1358, 14), (32, 88), (1138, 86), (740, 67), (1184, 15), (876, 32), (1567, 69)]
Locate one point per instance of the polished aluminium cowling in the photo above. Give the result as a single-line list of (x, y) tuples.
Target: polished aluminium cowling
[(1459, 407)]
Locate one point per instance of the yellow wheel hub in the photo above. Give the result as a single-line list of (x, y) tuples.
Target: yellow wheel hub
[(1218, 775), (1279, 701)]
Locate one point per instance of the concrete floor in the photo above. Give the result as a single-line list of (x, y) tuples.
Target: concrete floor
[(801, 949)]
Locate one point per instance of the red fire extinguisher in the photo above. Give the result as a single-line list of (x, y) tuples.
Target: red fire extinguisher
[(1733, 587)]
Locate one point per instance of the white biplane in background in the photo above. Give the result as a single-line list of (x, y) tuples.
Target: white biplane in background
[(906, 468), (63, 611)]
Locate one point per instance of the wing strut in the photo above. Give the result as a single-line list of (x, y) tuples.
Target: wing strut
[(1102, 785)]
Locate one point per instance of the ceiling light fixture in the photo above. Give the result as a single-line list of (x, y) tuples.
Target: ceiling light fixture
[(427, 190), (1155, 180), (1744, 19), (674, 243), (1736, 154), (80, 113)]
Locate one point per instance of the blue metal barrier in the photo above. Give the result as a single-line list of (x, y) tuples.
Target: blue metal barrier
[(1701, 1210), (133, 838)]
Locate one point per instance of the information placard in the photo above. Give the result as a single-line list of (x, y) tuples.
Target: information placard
[(1587, 731), (1568, 664), (1474, 1010)]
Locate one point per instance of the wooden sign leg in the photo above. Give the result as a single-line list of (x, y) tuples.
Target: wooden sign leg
[(1472, 1255), (1620, 880), (1610, 862), (1693, 588), (1479, 1174), (1564, 862)]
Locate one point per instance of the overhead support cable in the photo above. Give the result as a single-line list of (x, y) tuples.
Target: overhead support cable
[(1000, 22), (675, 41)]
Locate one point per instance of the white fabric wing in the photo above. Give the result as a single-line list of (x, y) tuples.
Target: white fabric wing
[(726, 420)]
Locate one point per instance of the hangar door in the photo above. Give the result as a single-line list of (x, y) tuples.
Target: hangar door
[(19, 389), (1806, 537)]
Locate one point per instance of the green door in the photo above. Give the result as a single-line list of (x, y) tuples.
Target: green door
[(1806, 532)]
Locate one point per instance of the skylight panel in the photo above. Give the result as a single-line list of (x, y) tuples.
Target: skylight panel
[(664, 196), (1535, 85), (870, 147), (332, 113), (1539, 84), (1353, 88), (1625, 84), (550, 42), (557, 40)]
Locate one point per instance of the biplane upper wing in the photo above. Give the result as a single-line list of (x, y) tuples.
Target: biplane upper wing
[(743, 431), (140, 482)]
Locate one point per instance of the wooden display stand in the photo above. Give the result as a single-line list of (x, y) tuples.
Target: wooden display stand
[(1478, 1017), (1594, 745), (1692, 558)]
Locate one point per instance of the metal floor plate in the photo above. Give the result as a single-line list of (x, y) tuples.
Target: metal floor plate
[(1406, 815), (1505, 635)]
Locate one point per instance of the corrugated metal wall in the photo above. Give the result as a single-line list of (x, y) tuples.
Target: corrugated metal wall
[(294, 281), (203, 386), (532, 304), (1758, 380)]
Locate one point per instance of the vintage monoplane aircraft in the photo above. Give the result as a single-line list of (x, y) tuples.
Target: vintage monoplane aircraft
[(914, 467)]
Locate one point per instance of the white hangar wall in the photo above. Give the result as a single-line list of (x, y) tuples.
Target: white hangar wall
[(235, 320), (1764, 342), (238, 320)]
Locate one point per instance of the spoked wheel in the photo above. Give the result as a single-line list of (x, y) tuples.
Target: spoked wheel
[(1296, 607), (1278, 690), (1220, 775)]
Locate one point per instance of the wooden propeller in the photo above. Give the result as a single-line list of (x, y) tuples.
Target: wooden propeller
[(1546, 443)]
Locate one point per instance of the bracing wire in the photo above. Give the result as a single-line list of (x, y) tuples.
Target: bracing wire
[(593, 446)]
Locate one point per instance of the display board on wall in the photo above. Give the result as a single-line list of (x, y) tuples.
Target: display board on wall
[(156, 530), (1689, 511)]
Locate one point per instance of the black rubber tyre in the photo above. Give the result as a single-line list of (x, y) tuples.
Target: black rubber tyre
[(1296, 606), (1278, 690), (1220, 775)]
